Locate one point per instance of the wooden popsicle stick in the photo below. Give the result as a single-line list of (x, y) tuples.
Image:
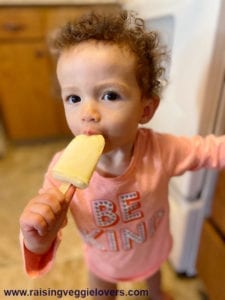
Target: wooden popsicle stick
[(64, 187)]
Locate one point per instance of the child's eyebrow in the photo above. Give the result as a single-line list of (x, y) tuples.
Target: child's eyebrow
[(69, 86), (116, 84), (111, 84), (69, 89)]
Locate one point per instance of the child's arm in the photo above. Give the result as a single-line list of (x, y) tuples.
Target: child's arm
[(182, 154), (40, 223)]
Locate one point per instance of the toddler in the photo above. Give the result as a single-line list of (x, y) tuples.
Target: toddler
[(109, 69)]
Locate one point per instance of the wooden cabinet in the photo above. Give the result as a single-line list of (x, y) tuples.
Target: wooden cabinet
[(30, 104), (29, 107), (21, 23), (211, 256)]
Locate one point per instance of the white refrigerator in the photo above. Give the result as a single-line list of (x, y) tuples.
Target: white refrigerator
[(193, 103)]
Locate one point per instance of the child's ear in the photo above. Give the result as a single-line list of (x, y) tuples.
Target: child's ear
[(149, 108)]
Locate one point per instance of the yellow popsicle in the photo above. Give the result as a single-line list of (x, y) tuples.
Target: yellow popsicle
[(78, 161)]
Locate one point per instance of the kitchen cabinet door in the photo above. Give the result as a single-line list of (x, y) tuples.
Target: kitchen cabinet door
[(29, 99)]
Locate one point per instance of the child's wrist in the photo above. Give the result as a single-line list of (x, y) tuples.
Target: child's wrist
[(38, 249)]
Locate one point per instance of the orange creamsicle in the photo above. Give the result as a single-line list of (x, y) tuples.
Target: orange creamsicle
[(78, 161)]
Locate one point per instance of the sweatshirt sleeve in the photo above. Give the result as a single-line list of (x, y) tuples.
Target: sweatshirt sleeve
[(180, 154), (35, 264)]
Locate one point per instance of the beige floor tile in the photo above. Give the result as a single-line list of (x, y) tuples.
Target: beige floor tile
[(13, 277)]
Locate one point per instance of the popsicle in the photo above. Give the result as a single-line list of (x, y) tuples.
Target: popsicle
[(78, 161)]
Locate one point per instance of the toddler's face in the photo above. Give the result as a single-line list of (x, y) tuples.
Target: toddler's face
[(100, 92)]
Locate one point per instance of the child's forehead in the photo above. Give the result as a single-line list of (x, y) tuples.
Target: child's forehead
[(98, 54), (98, 60), (95, 47)]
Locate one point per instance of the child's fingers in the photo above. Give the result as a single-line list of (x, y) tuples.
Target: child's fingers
[(33, 222), (53, 193), (65, 221), (69, 194), (44, 211), (57, 194), (54, 203), (47, 211)]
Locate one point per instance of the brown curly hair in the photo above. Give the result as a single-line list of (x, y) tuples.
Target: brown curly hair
[(124, 29)]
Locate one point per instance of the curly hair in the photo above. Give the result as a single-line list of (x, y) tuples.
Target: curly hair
[(124, 29)]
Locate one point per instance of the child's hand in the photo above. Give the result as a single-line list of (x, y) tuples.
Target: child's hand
[(43, 217)]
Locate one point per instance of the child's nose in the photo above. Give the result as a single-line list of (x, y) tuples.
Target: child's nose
[(90, 113)]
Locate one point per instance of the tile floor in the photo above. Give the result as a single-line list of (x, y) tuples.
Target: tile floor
[(21, 173)]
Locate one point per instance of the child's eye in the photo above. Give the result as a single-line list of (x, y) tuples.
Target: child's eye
[(73, 99), (110, 96)]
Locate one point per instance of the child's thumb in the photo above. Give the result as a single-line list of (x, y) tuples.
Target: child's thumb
[(69, 194)]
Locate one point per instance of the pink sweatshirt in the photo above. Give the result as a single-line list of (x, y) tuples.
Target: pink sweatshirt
[(124, 221)]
